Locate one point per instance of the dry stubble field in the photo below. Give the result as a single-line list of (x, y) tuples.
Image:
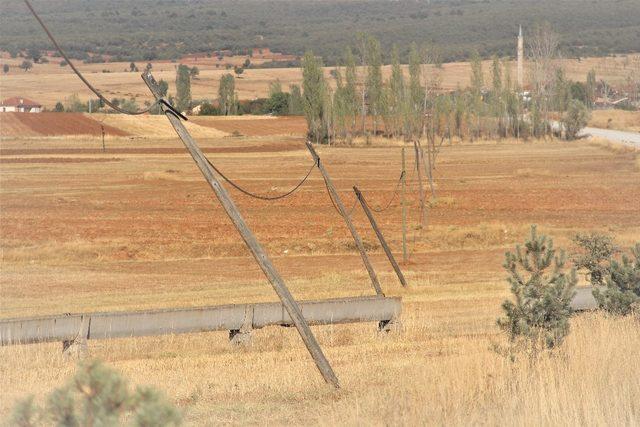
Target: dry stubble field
[(136, 227), (50, 83)]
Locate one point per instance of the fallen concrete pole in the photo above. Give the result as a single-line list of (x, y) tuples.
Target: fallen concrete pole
[(234, 318)]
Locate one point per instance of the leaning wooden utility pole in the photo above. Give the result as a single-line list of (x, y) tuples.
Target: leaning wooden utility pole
[(343, 212), (404, 209), (383, 242), (250, 240)]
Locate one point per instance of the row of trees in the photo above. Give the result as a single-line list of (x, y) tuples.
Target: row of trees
[(410, 103), (362, 102)]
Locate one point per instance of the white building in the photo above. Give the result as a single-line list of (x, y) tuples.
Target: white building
[(20, 105)]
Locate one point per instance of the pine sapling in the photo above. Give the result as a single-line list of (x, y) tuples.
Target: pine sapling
[(622, 292), (542, 292)]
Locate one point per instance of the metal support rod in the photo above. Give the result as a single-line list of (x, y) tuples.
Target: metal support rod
[(404, 209), (250, 240), (347, 220), (383, 242)]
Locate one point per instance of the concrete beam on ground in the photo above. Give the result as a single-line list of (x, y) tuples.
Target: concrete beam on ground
[(192, 320)]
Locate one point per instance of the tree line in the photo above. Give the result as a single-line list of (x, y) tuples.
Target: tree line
[(412, 105)]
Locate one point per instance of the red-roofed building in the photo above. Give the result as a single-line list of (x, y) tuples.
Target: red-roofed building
[(20, 105)]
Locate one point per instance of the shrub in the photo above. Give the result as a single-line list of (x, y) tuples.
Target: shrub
[(541, 307), (207, 109), (576, 118), (595, 254), (97, 396), (622, 292)]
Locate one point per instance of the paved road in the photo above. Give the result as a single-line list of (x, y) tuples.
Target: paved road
[(628, 138)]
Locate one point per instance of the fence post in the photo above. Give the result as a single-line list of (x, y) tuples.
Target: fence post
[(343, 212), (250, 240), (383, 242), (404, 210)]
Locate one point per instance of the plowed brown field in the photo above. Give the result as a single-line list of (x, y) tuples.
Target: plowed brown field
[(53, 124), (256, 126)]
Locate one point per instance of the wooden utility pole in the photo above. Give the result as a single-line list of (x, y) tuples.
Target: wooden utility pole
[(404, 209), (423, 212), (103, 147), (428, 164), (383, 242), (343, 212), (250, 240)]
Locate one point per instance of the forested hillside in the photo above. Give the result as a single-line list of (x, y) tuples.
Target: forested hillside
[(154, 29)]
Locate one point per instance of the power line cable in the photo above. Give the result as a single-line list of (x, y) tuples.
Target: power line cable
[(79, 74), (355, 202), (393, 197), (259, 196)]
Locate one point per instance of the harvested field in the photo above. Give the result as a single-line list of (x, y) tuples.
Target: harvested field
[(256, 125), (148, 126), (50, 83), (55, 160), (54, 124), (616, 119), (146, 232)]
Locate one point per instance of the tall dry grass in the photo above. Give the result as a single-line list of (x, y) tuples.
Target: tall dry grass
[(439, 370)]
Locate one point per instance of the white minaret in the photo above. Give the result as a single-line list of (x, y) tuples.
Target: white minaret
[(520, 59)]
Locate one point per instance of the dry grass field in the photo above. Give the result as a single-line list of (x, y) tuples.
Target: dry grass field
[(137, 227), (616, 119), (50, 83)]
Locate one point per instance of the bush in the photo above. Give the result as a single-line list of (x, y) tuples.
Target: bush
[(594, 256), (207, 109), (541, 307), (278, 103), (622, 292), (576, 118), (97, 396)]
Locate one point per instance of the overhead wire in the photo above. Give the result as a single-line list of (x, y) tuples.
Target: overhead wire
[(260, 196), (79, 74), (393, 197)]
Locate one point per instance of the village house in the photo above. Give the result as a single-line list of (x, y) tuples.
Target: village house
[(20, 105)]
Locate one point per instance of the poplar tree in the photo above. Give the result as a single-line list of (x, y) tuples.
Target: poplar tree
[(226, 95), (414, 102), (295, 101), (477, 83), (313, 96), (350, 89), (362, 50), (497, 95), (339, 106), (561, 91), (512, 105), (396, 95), (374, 79), (183, 88), (591, 88)]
